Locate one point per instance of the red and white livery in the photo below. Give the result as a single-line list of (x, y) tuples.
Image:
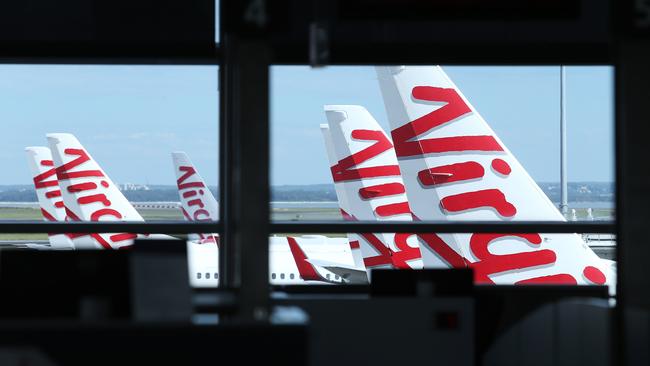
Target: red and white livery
[(455, 168), (329, 260), (89, 194), (369, 185), (39, 159), (197, 202)]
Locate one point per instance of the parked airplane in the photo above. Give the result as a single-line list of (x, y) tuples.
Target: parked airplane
[(197, 202), (85, 189), (369, 185), (71, 199), (330, 259), (49, 195), (51, 200), (455, 168)]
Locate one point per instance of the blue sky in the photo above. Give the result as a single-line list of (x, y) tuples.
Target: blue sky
[(131, 117), (520, 103)]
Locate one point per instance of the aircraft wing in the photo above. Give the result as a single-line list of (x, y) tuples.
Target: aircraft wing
[(349, 274), (38, 246)]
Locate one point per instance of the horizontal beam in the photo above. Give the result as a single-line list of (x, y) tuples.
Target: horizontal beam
[(486, 53), (458, 227), (109, 54), (149, 227), (315, 227)]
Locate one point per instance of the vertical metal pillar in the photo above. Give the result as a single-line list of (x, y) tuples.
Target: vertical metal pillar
[(633, 199), (245, 174), (564, 203), (225, 277)]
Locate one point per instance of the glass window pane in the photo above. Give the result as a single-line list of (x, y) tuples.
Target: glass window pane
[(449, 143), (111, 132), (129, 120)]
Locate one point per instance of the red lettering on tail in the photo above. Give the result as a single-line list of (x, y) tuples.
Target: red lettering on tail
[(565, 279), (74, 188), (493, 198), (187, 216), (94, 198), (489, 263), (64, 171), (202, 212), (345, 171), (594, 275), (95, 216), (382, 190), (189, 171), (392, 209), (47, 215), (53, 194), (384, 256), (443, 250), (405, 252), (346, 216), (40, 183), (196, 202), (189, 194), (451, 173), (453, 108), (500, 166), (122, 237), (458, 144), (40, 180)]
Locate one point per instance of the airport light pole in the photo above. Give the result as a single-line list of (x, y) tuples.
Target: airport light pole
[(564, 205)]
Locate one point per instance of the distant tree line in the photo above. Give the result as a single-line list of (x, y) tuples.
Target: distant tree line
[(578, 192)]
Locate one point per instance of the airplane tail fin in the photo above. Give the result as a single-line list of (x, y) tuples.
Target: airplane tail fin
[(45, 183), (353, 240), (88, 193), (48, 193), (197, 201), (369, 185), (455, 168)]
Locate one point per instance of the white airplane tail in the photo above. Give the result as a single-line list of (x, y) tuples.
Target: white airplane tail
[(197, 202), (455, 168), (46, 184), (88, 193), (368, 185), (353, 239)]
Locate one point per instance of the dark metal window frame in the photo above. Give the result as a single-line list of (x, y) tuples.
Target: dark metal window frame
[(244, 191), (313, 227), (244, 62)]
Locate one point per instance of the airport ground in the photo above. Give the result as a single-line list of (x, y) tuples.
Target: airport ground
[(172, 214)]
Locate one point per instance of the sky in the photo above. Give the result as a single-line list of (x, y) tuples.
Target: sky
[(130, 118), (520, 103)]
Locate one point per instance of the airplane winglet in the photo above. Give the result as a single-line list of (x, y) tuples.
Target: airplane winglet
[(306, 269)]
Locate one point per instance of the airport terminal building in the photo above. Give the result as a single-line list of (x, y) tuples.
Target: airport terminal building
[(324, 182)]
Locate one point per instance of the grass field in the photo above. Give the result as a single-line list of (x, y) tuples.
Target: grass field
[(296, 214), (12, 213)]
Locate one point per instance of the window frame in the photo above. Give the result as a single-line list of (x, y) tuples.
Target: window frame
[(244, 77)]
